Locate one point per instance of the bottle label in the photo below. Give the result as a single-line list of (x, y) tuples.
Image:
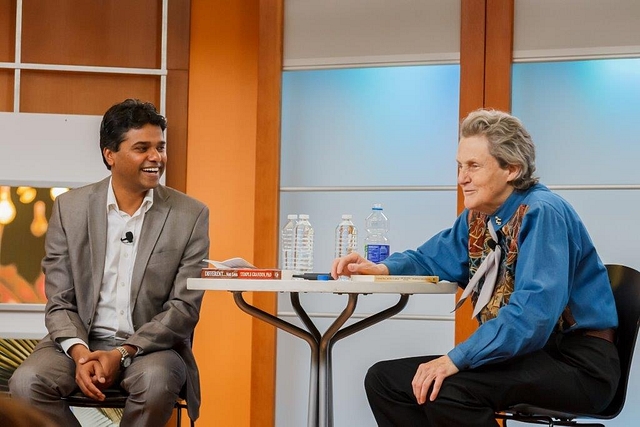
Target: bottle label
[(376, 253)]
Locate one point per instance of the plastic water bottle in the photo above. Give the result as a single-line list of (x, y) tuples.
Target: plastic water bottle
[(376, 244), (288, 236), (346, 237), (303, 244)]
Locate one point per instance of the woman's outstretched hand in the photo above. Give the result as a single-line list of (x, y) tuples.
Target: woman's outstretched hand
[(354, 263)]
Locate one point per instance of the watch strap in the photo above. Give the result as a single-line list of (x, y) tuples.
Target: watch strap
[(124, 354), (123, 351)]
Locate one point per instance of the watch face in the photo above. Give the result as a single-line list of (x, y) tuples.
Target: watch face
[(126, 361)]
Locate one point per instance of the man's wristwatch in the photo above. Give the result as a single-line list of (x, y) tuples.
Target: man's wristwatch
[(125, 358)]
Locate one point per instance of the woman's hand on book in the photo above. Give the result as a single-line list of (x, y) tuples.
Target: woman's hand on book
[(354, 263)]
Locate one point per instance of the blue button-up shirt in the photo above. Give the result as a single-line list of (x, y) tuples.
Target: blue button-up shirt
[(557, 266)]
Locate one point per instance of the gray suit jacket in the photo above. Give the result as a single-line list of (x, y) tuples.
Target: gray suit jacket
[(173, 241)]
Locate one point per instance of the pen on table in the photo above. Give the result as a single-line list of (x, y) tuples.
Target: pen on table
[(313, 276)]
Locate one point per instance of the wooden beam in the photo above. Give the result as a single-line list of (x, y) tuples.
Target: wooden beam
[(267, 202), (177, 92), (498, 54), (472, 55), (472, 76), (486, 46)]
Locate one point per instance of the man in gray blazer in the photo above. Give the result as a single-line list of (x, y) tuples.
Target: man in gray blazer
[(118, 255)]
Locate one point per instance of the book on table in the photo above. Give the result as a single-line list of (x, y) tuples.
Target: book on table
[(395, 278), (237, 268)]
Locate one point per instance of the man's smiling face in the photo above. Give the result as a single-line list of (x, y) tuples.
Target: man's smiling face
[(140, 160)]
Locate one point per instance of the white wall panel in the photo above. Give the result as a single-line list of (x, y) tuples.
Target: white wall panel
[(574, 29), (610, 216), (352, 33), (370, 127), (50, 150), (583, 117), (22, 321)]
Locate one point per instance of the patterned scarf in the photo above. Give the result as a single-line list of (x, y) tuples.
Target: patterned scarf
[(480, 242), (480, 246)]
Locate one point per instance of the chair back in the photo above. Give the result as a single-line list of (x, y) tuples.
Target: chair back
[(625, 283)]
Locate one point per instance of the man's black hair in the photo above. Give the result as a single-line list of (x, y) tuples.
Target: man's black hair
[(124, 116)]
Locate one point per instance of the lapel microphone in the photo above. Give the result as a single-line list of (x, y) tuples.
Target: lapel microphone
[(128, 237)]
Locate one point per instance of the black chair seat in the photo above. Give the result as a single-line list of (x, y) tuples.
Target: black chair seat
[(114, 398), (117, 398), (536, 415)]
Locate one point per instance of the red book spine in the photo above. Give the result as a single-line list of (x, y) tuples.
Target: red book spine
[(215, 273), (240, 273)]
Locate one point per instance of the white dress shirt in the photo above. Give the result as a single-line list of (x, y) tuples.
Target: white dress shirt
[(113, 314)]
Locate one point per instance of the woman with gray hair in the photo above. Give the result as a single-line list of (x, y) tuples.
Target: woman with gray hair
[(540, 293)]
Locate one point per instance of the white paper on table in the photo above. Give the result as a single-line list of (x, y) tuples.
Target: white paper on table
[(236, 262)]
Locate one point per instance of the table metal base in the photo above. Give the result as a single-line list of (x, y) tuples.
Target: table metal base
[(320, 383)]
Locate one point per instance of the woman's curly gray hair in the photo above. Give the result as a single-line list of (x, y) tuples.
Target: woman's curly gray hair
[(509, 142)]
